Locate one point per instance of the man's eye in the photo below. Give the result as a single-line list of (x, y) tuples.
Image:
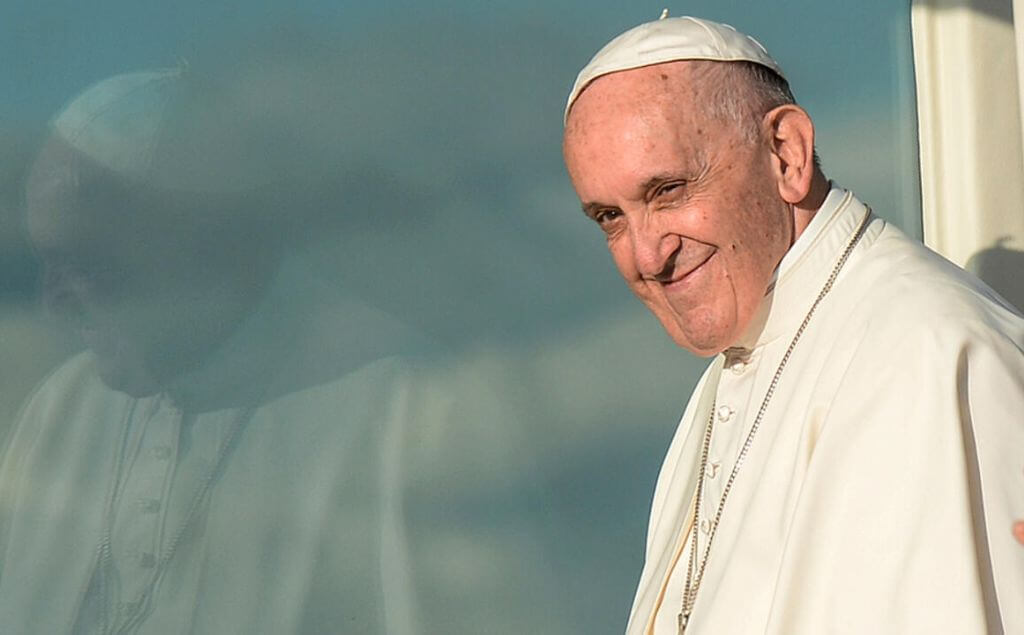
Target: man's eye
[(606, 216), (669, 188)]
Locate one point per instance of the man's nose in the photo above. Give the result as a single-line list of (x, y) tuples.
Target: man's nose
[(654, 249)]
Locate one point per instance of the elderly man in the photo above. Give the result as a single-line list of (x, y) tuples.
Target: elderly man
[(850, 461)]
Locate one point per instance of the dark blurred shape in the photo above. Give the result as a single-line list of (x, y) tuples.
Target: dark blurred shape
[(1002, 269)]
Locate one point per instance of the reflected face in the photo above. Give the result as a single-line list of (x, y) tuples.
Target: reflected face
[(690, 208), (132, 274)]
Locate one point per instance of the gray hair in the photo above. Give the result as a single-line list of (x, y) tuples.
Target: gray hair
[(742, 92)]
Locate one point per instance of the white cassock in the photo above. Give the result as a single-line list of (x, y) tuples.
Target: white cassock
[(879, 492)]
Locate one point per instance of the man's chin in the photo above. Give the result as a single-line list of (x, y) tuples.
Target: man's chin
[(123, 376), (702, 342), (701, 349)]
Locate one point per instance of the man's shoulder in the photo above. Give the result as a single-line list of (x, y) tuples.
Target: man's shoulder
[(68, 393), (900, 287)]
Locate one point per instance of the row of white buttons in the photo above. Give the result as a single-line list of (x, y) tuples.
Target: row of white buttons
[(724, 414)]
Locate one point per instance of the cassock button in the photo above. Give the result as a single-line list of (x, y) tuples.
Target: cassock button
[(725, 413), (738, 367), (712, 469), (705, 526)]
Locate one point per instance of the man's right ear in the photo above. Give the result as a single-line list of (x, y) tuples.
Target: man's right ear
[(791, 141)]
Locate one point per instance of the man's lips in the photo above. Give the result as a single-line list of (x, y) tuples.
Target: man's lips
[(680, 275)]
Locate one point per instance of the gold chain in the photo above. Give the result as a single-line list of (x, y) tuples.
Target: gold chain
[(694, 574)]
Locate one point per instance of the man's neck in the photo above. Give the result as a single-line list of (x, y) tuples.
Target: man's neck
[(805, 210)]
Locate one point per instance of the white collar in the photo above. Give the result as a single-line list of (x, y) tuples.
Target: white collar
[(804, 269), (818, 222)]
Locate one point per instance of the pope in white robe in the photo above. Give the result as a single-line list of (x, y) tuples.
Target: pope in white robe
[(851, 461)]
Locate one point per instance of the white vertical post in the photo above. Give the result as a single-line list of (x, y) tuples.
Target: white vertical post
[(970, 102)]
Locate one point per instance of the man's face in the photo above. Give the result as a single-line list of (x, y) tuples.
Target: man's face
[(689, 206), (146, 286)]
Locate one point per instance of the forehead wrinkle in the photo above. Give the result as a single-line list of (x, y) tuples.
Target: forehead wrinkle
[(673, 90), (635, 111)]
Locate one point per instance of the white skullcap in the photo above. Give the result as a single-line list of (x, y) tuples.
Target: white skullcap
[(153, 127), (117, 121), (671, 40)]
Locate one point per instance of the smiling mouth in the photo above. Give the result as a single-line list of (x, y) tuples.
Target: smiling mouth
[(678, 278)]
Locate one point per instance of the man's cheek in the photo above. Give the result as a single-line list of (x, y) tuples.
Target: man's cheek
[(651, 297), (623, 262)]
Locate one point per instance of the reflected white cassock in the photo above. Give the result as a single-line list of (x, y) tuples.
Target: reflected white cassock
[(302, 529)]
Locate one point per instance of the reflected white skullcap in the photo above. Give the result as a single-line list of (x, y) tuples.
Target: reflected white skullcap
[(160, 128), (117, 121), (671, 40)]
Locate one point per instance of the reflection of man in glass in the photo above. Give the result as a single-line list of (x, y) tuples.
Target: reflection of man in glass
[(151, 278), (223, 458), (844, 464)]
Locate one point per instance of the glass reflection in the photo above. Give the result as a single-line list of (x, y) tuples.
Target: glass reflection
[(223, 455)]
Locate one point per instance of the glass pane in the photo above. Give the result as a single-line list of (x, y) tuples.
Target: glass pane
[(303, 329)]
